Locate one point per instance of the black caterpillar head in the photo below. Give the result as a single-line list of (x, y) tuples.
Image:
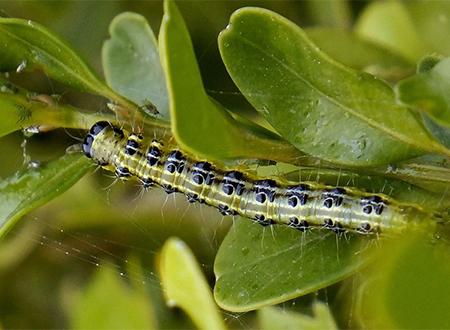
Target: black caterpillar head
[(93, 132)]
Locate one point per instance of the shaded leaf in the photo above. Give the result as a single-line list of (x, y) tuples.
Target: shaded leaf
[(428, 91), (440, 132), (199, 124), (27, 45), (429, 172), (323, 108), (185, 286), (256, 267), (132, 65), (31, 188), (107, 303), (273, 318)]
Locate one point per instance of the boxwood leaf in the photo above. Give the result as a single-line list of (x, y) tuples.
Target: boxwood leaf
[(199, 124), (274, 318), (31, 188), (131, 62), (256, 266), (440, 132), (325, 109), (27, 45), (429, 91), (185, 286)]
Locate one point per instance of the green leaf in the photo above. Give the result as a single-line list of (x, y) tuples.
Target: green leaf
[(107, 303), (429, 172), (429, 91), (407, 288), (131, 62), (428, 62), (440, 132), (323, 108), (390, 24), (256, 267), (274, 318), (185, 286), (358, 53), (18, 112), (31, 188), (28, 45), (199, 124)]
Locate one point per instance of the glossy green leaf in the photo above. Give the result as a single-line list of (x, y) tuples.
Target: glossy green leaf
[(323, 108), (390, 24), (18, 112), (27, 45), (256, 266), (408, 287), (185, 286), (199, 124), (429, 92), (274, 318), (107, 303), (358, 53), (31, 188), (132, 65)]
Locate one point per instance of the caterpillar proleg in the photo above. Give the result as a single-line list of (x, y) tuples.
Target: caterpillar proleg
[(300, 205)]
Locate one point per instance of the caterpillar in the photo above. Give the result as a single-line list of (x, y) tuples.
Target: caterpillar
[(301, 205)]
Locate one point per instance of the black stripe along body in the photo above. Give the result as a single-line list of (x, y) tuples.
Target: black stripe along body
[(300, 206)]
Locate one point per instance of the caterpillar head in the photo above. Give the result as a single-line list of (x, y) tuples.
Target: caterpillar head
[(90, 137), (102, 142)]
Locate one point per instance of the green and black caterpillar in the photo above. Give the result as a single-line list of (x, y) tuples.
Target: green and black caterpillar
[(302, 205)]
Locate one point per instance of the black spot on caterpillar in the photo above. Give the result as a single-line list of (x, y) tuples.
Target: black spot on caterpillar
[(302, 205)]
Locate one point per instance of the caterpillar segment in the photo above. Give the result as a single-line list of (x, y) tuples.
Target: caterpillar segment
[(301, 205)]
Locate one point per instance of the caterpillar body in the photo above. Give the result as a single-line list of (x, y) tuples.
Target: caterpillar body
[(302, 205)]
